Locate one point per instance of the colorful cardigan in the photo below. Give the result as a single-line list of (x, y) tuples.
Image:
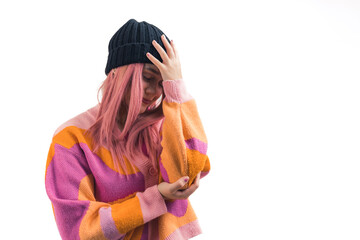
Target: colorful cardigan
[(92, 200)]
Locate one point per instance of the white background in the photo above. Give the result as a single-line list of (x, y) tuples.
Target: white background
[(277, 88)]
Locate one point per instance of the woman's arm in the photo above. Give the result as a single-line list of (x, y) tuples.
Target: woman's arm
[(183, 137), (70, 186)]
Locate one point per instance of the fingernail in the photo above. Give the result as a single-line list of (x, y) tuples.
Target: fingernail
[(186, 179)]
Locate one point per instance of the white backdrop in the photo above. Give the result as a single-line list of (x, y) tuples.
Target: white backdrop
[(277, 88)]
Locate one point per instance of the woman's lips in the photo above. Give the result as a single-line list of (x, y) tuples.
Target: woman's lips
[(146, 101)]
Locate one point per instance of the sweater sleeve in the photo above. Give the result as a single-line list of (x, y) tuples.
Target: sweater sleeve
[(70, 186), (184, 143)]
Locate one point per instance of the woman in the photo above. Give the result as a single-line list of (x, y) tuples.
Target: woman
[(124, 169)]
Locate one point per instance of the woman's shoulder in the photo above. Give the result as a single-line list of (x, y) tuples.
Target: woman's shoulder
[(80, 122)]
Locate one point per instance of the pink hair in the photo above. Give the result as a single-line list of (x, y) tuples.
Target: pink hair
[(139, 129)]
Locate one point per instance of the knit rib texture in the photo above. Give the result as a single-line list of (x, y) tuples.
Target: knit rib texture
[(131, 43)]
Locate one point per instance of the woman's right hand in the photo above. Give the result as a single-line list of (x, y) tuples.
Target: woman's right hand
[(172, 190)]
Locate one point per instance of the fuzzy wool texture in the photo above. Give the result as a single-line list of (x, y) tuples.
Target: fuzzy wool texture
[(92, 200)]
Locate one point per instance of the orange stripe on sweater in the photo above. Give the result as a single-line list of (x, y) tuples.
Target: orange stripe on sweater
[(196, 160), (90, 224), (72, 135), (189, 115), (191, 120), (86, 188), (127, 215), (135, 234), (167, 218)]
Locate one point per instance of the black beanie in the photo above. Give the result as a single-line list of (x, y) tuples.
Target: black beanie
[(131, 43)]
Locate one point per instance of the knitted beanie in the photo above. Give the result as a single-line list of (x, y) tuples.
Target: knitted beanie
[(131, 43)]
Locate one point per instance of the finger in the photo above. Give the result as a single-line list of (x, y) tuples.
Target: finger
[(174, 48), (154, 60), (197, 180), (186, 193), (174, 187), (182, 194), (161, 51), (168, 47), (196, 183)]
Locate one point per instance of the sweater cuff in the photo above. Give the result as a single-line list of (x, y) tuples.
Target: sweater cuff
[(152, 203), (175, 91)]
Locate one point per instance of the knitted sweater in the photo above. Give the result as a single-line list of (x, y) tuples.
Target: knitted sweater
[(92, 200)]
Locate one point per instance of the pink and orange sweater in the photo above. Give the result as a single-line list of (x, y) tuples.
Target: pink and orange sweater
[(92, 200)]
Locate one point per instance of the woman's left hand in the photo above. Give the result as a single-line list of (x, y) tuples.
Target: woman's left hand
[(170, 68)]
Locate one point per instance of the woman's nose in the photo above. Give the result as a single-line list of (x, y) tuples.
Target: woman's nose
[(154, 90)]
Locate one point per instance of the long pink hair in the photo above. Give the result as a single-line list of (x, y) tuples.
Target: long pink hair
[(138, 131)]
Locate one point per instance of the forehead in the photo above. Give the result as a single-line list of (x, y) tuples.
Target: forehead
[(151, 68)]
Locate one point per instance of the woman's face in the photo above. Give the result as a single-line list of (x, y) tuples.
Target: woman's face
[(152, 85)]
